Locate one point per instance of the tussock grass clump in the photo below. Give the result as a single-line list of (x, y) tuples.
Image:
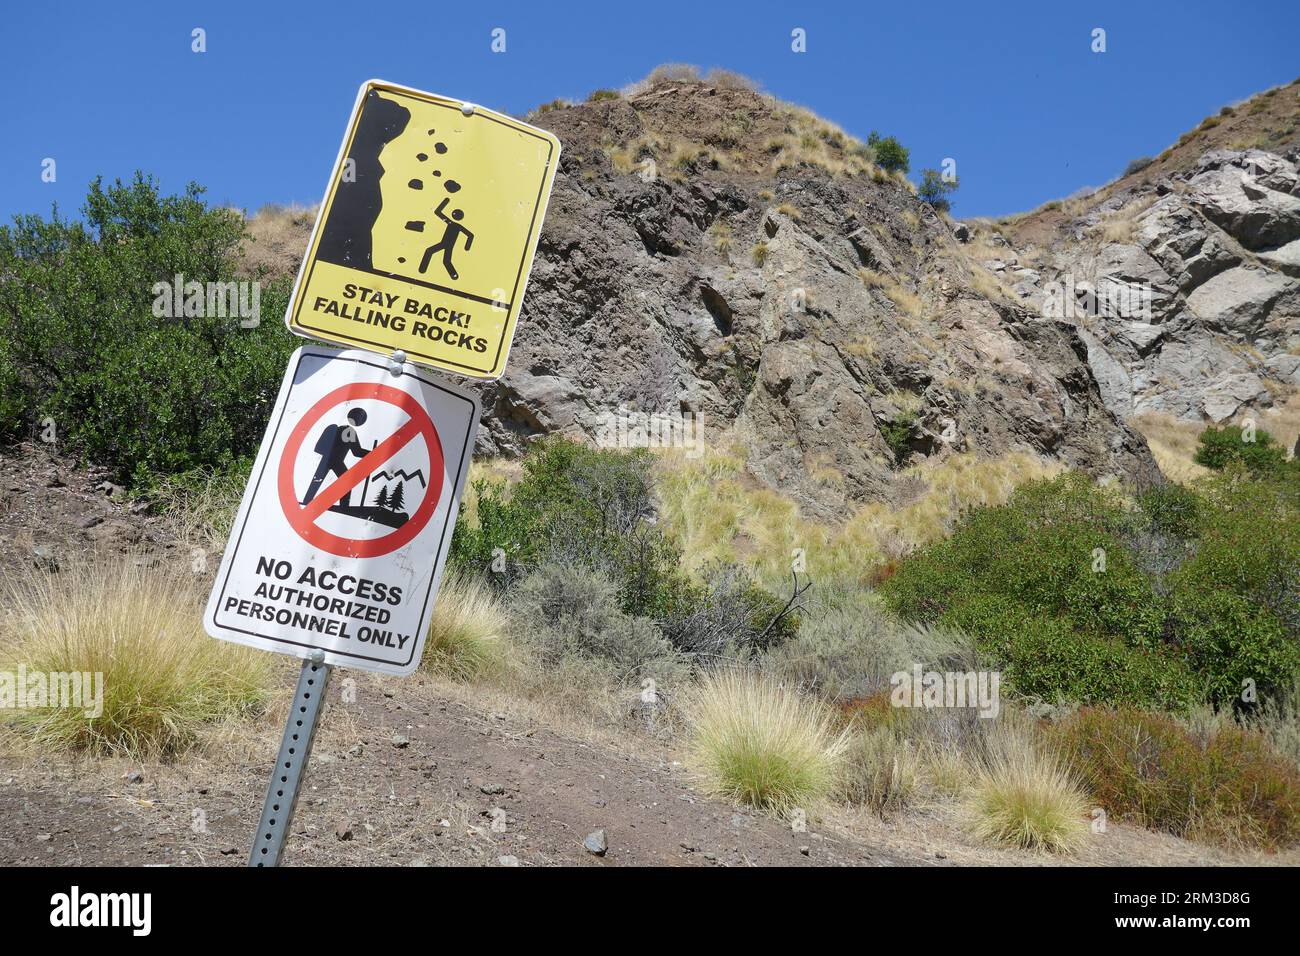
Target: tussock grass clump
[(200, 506), (756, 742), (1027, 799), (882, 770), (141, 628), (465, 630)]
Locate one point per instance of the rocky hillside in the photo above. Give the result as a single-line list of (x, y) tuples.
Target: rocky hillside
[(1211, 231), (711, 250)]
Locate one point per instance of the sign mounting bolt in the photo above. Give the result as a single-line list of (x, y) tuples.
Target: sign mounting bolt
[(396, 361), (467, 109)]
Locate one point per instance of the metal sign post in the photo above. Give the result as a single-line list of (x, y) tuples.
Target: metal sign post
[(291, 764)]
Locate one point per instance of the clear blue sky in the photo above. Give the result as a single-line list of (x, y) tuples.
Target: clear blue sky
[(1012, 91)]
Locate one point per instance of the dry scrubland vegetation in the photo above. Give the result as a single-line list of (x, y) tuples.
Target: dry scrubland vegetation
[(651, 595), (622, 570)]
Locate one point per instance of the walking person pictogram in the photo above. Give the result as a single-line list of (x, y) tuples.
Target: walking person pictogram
[(448, 241), (334, 445)]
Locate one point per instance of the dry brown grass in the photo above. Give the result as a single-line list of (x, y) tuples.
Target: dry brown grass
[(719, 515), (1173, 443), (1122, 225), (277, 241), (137, 622)]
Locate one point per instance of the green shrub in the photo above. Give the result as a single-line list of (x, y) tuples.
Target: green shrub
[(13, 402), (142, 394), (898, 434), (1147, 768), (1219, 446), (1235, 604), (598, 96), (890, 154), (1040, 550), (936, 190), (578, 506), (590, 508), (1044, 657), (1077, 593), (568, 612)]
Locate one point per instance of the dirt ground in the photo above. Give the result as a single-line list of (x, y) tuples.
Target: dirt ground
[(420, 771)]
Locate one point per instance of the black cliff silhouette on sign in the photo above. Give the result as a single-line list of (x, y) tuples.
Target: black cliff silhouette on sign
[(345, 237)]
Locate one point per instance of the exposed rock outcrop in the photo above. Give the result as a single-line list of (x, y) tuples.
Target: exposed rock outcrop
[(810, 310), (1209, 325)]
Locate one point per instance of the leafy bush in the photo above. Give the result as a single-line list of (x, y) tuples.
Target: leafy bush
[(1235, 604), (898, 435), (571, 612), (891, 155), (1147, 768), (1039, 550), (1262, 456), (1077, 593), (589, 508), (580, 506), (936, 190), (13, 402), (142, 394), (1045, 657)]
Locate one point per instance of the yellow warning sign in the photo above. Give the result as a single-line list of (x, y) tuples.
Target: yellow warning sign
[(426, 235)]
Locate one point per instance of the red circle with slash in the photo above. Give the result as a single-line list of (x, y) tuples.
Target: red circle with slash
[(302, 518)]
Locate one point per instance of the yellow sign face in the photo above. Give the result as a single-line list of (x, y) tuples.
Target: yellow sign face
[(426, 236)]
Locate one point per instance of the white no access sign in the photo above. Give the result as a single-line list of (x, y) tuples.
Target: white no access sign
[(345, 524)]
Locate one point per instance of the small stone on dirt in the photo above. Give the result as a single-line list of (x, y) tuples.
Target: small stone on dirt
[(401, 740), (492, 789), (805, 850), (133, 776), (508, 860), (344, 830), (596, 843)]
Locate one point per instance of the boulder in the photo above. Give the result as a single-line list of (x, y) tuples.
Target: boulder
[(1238, 301)]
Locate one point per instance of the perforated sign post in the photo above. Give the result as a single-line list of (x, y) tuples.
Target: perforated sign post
[(338, 546), (425, 237)]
